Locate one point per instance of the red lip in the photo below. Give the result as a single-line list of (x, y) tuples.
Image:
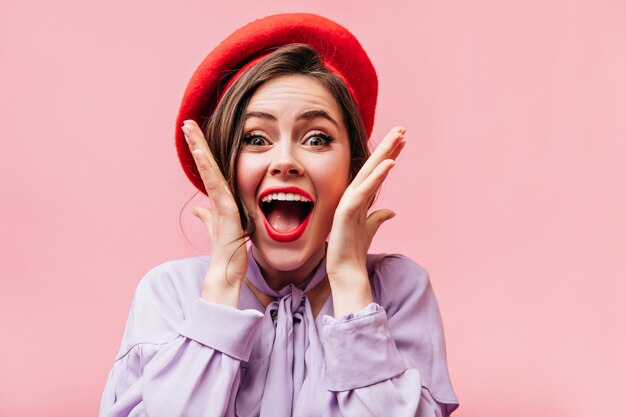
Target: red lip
[(294, 234), (290, 189)]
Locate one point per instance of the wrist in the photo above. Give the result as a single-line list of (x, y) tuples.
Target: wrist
[(351, 298), (348, 277), (220, 288), (228, 297)]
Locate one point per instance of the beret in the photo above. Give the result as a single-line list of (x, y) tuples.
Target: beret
[(340, 51)]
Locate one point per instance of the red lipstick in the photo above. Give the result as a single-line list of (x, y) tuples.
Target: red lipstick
[(297, 232)]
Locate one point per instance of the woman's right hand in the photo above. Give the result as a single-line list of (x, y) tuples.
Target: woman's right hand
[(229, 260)]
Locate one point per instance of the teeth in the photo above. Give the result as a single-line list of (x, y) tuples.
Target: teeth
[(284, 197)]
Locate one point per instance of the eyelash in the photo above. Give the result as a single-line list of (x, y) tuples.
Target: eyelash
[(247, 139), (326, 138)]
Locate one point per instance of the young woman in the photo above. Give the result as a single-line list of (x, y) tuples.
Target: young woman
[(289, 316)]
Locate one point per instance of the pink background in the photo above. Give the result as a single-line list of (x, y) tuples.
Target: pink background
[(510, 191)]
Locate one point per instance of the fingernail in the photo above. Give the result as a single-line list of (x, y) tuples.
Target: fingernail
[(184, 129)]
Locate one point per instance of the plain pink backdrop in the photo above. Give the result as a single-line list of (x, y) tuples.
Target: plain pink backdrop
[(510, 192)]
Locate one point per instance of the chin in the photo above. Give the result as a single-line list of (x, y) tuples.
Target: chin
[(300, 255), (287, 256), (284, 261)]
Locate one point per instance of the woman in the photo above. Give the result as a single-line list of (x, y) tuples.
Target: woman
[(304, 322)]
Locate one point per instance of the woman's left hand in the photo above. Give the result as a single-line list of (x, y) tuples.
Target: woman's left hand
[(353, 230)]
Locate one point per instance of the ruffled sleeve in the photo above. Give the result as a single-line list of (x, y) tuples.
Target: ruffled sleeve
[(389, 358), (174, 360)]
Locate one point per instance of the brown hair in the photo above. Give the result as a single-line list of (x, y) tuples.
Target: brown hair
[(224, 129)]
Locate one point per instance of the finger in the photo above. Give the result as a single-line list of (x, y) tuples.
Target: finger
[(392, 143), (203, 214), (383, 151), (389, 148), (367, 189), (196, 140), (194, 136), (396, 150), (374, 221), (216, 186), (214, 183), (360, 198)]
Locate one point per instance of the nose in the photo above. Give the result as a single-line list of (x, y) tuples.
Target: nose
[(285, 163)]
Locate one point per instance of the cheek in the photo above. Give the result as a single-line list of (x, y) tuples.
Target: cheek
[(331, 184), (250, 172)]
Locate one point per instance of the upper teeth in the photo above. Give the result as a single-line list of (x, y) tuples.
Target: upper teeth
[(284, 197)]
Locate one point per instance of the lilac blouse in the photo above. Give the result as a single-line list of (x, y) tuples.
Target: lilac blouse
[(184, 356)]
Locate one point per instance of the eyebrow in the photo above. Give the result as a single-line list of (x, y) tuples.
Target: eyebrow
[(309, 115), (312, 114), (260, 115)]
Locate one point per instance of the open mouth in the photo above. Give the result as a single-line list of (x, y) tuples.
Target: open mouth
[(286, 212)]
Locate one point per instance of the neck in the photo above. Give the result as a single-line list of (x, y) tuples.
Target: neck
[(277, 279)]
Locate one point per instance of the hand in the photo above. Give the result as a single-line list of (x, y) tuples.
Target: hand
[(229, 261), (353, 230)]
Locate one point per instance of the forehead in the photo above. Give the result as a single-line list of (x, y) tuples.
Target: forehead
[(293, 92)]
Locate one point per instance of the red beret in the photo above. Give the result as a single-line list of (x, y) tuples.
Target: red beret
[(338, 48)]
